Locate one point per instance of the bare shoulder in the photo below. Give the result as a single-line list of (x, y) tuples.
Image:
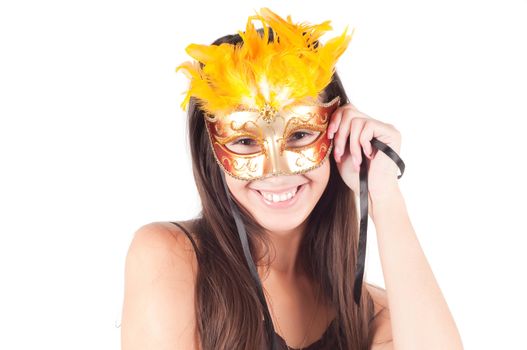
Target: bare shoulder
[(158, 307), (162, 247), (381, 324)]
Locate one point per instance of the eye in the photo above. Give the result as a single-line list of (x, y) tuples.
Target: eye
[(302, 138), (245, 142), (244, 145), (299, 135)]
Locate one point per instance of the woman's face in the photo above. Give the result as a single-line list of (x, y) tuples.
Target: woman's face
[(264, 198)]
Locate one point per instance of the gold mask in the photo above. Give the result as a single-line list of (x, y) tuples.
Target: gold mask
[(273, 145), (260, 97)]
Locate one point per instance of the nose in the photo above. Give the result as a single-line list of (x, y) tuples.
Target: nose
[(276, 162), (276, 179), (280, 181)]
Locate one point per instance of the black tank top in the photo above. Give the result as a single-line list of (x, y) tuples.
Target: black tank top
[(328, 341)]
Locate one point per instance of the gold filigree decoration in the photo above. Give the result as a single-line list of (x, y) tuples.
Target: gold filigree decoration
[(210, 117), (313, 159), (295, 122), (247, 165), (225, 140), (240, 166), (268, 113), (244, 126), (245, 131), (324, 117), (219, 129), (300, 161), (226, 162)]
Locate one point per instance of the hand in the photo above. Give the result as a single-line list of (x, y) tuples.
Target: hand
[(352, 130)]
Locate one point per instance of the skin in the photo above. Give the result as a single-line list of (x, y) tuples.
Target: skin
[(411, 313), (419, 315), (291, 294), (285, 227)]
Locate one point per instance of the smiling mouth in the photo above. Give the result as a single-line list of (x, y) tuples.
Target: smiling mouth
[(284, 197)]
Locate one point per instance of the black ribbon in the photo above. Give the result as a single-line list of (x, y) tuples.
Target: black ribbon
[(361, 254), (271, 338), (363, 179)]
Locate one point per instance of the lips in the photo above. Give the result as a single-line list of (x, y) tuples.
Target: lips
[(283, 204), (279, 196)]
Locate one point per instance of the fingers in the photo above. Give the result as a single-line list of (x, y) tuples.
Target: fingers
[(341, 136), (334, 123), (365, 139), (357, 124), (350, 124), (336, 119)]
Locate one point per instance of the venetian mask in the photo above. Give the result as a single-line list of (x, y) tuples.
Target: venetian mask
[(252, 144), (261, 99)]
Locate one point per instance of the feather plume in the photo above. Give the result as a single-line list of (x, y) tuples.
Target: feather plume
[(291, 68)]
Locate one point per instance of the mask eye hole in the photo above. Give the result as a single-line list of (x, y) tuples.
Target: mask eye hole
[(302, 138), (244, 145)]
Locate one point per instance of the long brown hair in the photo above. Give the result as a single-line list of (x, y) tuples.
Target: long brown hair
[(228, 311)]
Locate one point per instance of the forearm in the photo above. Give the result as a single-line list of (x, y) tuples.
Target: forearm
[(420, 317)]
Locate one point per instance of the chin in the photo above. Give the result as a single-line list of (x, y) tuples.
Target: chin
[(280, 226), (282, 203), (282, 216)]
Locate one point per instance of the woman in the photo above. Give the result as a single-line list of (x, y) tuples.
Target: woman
[(277, 150)]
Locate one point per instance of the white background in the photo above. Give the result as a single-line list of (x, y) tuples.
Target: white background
[(93, 146)]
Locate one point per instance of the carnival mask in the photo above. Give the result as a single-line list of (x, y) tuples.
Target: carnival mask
[(261, 100), (252, 144)]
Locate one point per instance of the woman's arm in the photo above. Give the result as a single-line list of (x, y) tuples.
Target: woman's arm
[(158, 308), (419, 315), (420, 318)]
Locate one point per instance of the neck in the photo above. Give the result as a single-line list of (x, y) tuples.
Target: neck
[(283, 253)]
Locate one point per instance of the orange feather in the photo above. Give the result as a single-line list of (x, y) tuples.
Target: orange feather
[(289, 69)]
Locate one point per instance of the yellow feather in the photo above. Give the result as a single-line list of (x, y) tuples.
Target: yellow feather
[(256, 73)]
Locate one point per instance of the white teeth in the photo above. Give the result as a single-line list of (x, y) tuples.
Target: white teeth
[(273, 197)]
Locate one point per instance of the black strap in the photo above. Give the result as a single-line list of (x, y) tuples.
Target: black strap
[(361, 254), (363, 178), (252, 267), (198, 254)]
